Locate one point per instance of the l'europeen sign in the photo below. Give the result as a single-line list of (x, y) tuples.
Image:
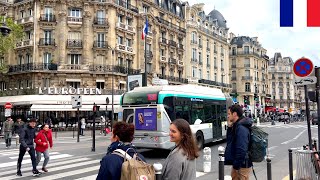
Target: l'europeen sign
[(71, 90)]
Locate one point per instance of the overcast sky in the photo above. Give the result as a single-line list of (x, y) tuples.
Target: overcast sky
[(260, 18)]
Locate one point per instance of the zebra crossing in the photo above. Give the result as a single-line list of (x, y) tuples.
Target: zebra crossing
[(286, 126), (61, 166)]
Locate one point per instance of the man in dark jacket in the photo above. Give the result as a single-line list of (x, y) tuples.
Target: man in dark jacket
[(18, 126), (238, 138), (27, 136)]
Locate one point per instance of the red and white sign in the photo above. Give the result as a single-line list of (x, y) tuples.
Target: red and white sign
[(303, 67), (7, 105)]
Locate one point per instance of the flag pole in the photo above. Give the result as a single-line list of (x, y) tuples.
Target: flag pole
[(145, 56)]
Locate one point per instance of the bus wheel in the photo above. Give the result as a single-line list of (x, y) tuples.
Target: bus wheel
[(200, 139)]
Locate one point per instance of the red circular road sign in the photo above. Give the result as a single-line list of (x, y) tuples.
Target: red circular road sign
[(303, 67), (8, 105)]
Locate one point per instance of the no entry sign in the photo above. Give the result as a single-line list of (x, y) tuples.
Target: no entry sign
[(303, 67), (7, 105)]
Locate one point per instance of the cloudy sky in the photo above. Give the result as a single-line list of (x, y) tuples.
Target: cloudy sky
[(260, 18)]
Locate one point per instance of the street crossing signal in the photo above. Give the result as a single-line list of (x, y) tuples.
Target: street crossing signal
[(246, 99), (256, 97)]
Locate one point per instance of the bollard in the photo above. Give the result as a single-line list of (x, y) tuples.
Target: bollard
[(158, 170), (290, 165), (221, 162), (269, 174), (207, 159)]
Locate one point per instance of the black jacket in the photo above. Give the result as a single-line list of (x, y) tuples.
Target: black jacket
[(238, 138), (27, 136), (111, 164)]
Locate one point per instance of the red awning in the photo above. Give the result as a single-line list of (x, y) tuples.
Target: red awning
[(269, 109)]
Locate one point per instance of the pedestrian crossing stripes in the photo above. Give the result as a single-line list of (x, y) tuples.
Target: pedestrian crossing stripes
[(286, 126), (61, 166)]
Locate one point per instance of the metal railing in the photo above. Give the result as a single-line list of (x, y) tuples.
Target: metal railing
[(47, 18), (74, 43), (47, 42), (32, 67)]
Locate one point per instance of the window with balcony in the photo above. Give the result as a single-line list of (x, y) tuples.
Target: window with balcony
[(30, 12), (46, 59), (101, 15), (208, 43), (129, 43), (288, 84), (171, 72), (22, 14), (100, 60), (234, 86), (171, 37), (200, 41), (246, 50), (162, 52), (194, 54), (101, 43), (28, 35), (74, 39), (28, 58), (75, 15), (194, 37), (194, 71), (100, 85), (129, 22), (20, 60), (247, 87), (75, 59), (208, 59), (145, 8), (120, 18), (121, 62), (73, 84), (247, 73), (120, 40)]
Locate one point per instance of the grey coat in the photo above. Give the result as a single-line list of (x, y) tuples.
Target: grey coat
[(178, 167)]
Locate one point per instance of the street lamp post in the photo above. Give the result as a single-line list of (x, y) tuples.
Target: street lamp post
[(112, 84)]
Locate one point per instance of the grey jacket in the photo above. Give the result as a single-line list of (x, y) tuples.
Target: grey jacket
[(178, 167), (8, 126)]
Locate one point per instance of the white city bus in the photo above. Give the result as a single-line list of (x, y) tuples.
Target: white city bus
[(152, 109)]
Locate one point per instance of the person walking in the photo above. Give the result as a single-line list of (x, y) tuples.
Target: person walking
[(180, 163), (27, 136), (103, 124), (238, 138), (83, 126), (18, 126), (43, 140), (111, 163), (8, 129)]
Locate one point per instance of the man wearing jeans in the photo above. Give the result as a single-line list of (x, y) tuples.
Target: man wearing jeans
[(27, 136), (7, 128), (238, 138)]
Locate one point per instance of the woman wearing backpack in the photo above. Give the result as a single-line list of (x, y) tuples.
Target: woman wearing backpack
[(43, 140), (181, 162), (111, 163)]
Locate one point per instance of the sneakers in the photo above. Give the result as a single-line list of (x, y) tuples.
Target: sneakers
[(44, 169), (36, 173), (19, 173)]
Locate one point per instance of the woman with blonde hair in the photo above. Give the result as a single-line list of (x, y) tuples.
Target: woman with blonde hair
[(180, 163)]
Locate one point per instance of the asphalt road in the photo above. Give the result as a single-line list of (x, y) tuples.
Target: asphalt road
[(72, 160)]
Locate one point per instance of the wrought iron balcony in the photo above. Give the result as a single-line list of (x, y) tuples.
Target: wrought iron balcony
[(172, 61), (247, 78), (172, 78), (172, 43), (75, 19), (99, 44), (234, 66), (74, 43), (100, 68), (124, 4), (170, 25), (48, 18), (46, 42), (32, 67), (100, 21), (180, 46), (163, 40)]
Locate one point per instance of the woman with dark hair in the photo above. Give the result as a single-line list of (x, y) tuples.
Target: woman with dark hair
[(111, 163), (43, 140), (180, 163)]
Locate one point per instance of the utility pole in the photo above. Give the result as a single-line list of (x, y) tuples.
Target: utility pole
[(317, 74), (308, 115)]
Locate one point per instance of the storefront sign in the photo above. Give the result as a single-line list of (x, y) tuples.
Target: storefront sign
[(146, 119), (71, 90)]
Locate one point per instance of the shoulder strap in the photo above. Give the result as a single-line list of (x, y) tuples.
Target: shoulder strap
[(122, 153)]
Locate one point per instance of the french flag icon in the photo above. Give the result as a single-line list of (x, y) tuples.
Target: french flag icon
[(287, 12)]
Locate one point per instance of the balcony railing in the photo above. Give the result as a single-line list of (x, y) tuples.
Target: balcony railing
[(172, 61), (25, 20), (180, 46), (32, 67), (246, 54), (24, 43), (75, 19), (100, 21), (100, 68), (210, 82), (247, 78), (234, 66), (172, 78), (246, 65), (163, 59), (169, 24), (172, 43), (194, 42), (100, 44), (47, 18), (163, 40), (127, 6), (233, 78), (74, 43), (46, 42)]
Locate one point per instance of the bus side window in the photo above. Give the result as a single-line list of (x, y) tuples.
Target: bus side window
[(168, 106), (208, 113)]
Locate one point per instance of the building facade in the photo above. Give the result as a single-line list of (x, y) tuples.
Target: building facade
[(281, 83), (92, 44), (207, 51), (249, 75)]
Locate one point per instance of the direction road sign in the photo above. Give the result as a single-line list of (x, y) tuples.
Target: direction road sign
[(7, 105), (303, 67), (305, 81)]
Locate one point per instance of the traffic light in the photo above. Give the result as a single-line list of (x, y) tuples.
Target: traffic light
[(96, 108), (256, 97), (246, 99)]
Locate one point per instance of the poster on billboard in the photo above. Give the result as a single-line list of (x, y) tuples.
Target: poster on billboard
[(146, 119), (134, 81)]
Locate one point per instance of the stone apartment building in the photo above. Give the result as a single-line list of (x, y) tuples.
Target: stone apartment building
[(281, 86), (249, 72), (207, 53), (81, 43)]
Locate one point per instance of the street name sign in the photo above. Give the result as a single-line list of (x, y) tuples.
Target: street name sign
[(305, 81)]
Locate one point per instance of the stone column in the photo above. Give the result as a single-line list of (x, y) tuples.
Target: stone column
[(62, 37), (86, 36)]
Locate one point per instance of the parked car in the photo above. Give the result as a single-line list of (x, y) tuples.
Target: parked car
[(314, 118)]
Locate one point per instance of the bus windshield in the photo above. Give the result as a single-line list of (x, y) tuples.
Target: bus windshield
[(136, 98)]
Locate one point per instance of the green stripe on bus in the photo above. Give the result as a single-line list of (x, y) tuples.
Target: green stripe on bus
[(162, 96)]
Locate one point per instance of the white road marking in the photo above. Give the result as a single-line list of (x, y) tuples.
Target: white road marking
[(286, 142)]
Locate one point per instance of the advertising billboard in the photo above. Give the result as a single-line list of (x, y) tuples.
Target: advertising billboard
[(146, 119), (134, 81)]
